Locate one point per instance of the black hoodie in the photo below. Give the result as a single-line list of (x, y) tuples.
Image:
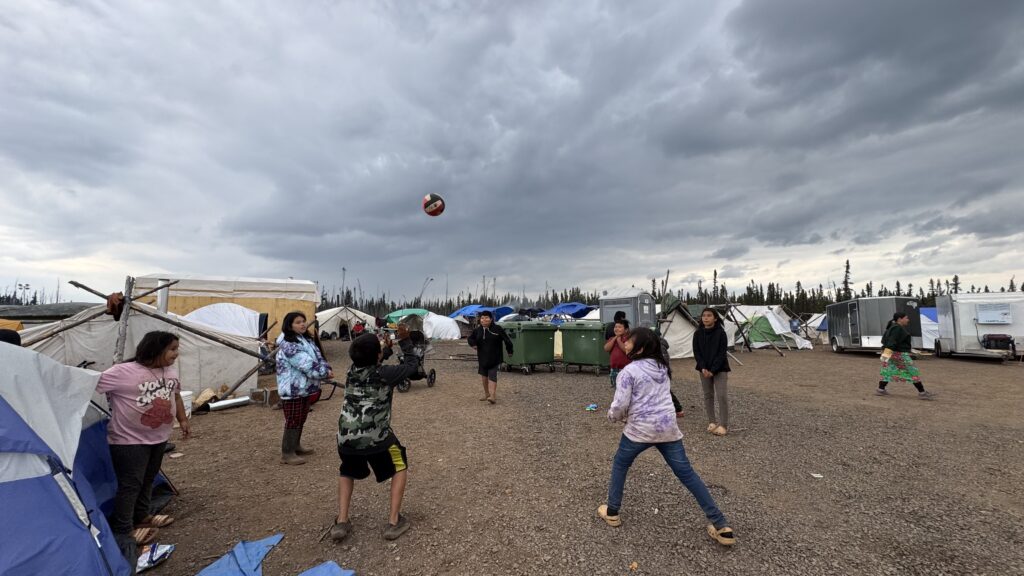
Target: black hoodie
[(487, 342), (709, 349)]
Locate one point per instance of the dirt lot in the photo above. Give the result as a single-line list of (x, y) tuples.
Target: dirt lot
[(908, 487)]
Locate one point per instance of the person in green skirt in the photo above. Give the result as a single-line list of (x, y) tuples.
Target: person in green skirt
[(896, 361)]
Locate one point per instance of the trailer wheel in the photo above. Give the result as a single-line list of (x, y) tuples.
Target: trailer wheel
[(836, 347), (938, 350)]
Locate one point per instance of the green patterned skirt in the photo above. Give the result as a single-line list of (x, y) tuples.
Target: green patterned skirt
[(900, 367)]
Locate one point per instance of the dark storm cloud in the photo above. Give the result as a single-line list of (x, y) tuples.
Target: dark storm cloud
[(592, 143)]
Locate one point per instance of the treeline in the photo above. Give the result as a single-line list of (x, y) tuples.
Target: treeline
[(802, 299)]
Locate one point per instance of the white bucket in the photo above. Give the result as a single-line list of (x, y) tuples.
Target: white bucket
[(186, 399)]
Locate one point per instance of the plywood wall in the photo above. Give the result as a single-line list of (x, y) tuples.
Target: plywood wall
[(274, 308)]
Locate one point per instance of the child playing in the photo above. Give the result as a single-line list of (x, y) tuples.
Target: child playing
[(365, 438), (614, 346), (643, 401), (487, 340), (144, 400), (300, 368)]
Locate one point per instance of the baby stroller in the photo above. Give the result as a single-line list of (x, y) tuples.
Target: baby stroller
[(414, 342)]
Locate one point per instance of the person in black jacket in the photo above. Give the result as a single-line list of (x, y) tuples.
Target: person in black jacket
[(896, 361), (709, 349), (487, 340)]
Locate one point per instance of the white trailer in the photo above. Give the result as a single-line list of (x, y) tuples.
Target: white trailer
[(989, 325)]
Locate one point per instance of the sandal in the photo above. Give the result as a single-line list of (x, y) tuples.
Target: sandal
[(720, 431), (723, 536), (602, 511), (712, 426), (156, 521), (144, 536)]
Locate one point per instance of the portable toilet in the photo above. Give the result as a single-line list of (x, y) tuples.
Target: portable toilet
[(637, 304)]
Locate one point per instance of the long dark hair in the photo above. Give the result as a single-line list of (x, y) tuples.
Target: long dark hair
[(152, 347), (895, 317), (290, 334), (646, 344), (718, 319)]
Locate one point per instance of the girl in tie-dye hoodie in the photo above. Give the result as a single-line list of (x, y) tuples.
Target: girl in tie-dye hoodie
[(643, 401)]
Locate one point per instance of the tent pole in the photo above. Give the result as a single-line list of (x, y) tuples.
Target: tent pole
[(744, 326), (104, 296), (264, 334), (60, 329), (122, 328), (200, 332), (241, 381)]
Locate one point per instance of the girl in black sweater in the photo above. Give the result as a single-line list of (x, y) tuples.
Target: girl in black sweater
[(709, 349)]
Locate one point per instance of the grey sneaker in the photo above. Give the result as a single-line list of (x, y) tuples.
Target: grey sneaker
[(393, 531), (341, 530), (881, 392), (925, 395)]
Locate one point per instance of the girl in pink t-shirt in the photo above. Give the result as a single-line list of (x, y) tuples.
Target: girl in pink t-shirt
[(144, 398)]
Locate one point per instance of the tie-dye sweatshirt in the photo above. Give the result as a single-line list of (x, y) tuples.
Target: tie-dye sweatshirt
[(643, 401)]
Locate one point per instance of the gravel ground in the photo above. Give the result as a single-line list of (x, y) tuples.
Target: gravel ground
[(908, 487)]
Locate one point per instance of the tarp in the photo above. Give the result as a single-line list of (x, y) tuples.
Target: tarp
[(574, 309), (333, 319), (229, 318), (201, 364), (245, 559), (437, 327), (191, 285), (397, 315), (473, 310), (769, 325), (15, 325), (50, 522)]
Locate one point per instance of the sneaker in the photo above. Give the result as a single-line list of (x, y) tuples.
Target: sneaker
[(925, 395), (881, 392), (602, 511), (393, 531), (341, 530)]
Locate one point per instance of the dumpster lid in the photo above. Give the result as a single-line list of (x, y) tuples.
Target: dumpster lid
[(583, 325)]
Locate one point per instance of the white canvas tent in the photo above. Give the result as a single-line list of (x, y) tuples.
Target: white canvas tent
[(202, 363), (333, 319), (229, 318), (767, 325), (811, 330), (437, 327), (678, 328)]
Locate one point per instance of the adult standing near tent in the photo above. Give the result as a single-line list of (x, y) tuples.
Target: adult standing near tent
[(487, 340), (300, 367), (896, 361), (144, 401), (709, 350)]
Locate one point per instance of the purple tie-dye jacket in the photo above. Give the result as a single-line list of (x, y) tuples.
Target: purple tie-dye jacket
[(644, 403)]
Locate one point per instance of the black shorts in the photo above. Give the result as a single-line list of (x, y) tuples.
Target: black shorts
[(385, 463), (491, 373)]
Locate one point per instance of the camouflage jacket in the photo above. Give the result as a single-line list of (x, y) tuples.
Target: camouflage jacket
[(364, 426)]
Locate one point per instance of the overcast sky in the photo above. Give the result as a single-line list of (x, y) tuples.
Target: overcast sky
[(583, 143)]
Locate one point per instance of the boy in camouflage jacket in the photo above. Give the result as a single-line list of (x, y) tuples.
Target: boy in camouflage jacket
[(365, 438)]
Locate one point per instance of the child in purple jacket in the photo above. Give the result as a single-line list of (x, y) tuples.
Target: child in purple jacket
[(644, 402)]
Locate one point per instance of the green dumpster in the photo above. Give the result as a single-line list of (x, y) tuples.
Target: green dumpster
[(583, 345), (533, 344)]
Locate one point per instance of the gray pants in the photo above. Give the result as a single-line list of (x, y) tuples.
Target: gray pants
[(716, 387)]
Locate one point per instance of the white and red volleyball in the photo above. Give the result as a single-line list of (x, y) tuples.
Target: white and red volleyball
[(433, 204)]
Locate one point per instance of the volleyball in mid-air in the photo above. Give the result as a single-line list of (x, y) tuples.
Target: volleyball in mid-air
[(433, 204)]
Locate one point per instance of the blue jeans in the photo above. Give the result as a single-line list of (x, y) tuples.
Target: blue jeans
[(675, 457)]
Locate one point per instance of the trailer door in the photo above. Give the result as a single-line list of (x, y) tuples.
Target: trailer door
[(854, 324)]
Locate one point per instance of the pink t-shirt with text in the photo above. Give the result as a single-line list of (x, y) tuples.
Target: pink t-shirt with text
[(142, 402)]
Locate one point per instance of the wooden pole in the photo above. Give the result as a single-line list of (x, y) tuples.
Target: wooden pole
[(752, 327), (122, 328), (241, 381), (264, 333), (104, 296), (199, 332), (59, 329)]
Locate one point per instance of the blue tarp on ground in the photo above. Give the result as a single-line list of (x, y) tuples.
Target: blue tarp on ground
[(328, 569), (931, 313), (245, 559), (574, 309)]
